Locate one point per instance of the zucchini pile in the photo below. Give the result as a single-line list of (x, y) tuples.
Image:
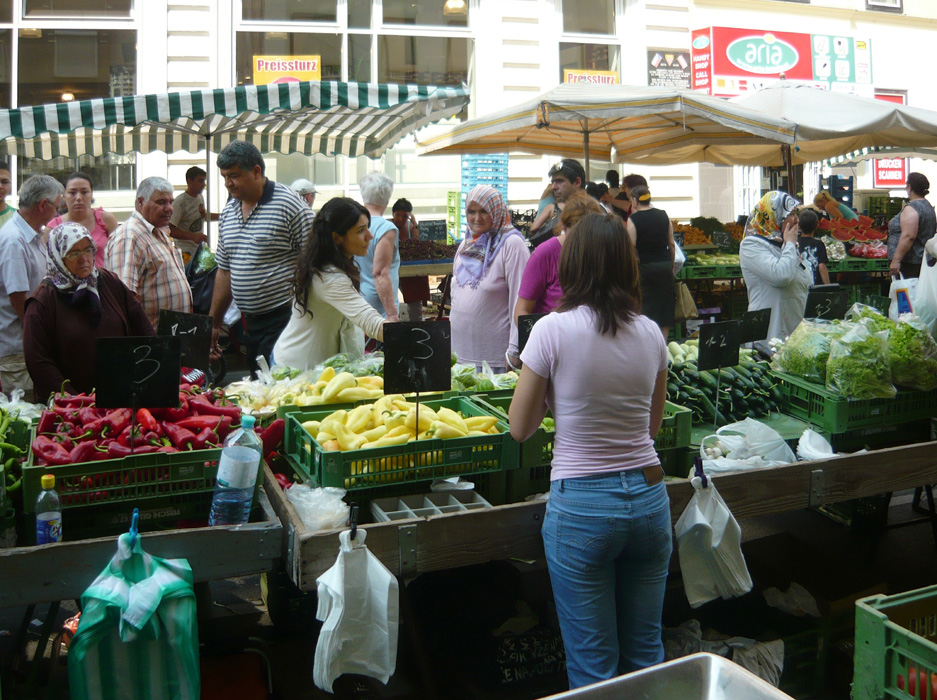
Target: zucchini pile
[(747, 390)]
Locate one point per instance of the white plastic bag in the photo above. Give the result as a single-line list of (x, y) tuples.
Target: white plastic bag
[(812, 446), (319, 508), (359, 605), (925, 296), (747, 444), (902, 294), (709, 544), (678, 258)]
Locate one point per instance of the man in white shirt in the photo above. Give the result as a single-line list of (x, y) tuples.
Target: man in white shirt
[(188, 213)]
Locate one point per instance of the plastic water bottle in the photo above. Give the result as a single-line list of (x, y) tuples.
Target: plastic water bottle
[(48, 513), (238, 469)]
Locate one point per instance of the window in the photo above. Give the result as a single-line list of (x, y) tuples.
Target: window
[(320, 169), (594, 17), (423, 60), (440, 13), (292, 11), (327, 46), (598, 57), (6, 54), (84, 63), (359, 60), (885, 5), (6, 10), (33, 9), (359, 14)]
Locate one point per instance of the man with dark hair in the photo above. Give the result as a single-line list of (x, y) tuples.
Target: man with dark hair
[(812, 252), (565, 176), (262, 229), (415, 290), (188, 213), (6, 185)]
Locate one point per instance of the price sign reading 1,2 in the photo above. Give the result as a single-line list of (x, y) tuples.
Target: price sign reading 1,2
[(828, 305), (754, 326), (417, 357), (137, 372), (524, 325), (718, 345), (194, 331)]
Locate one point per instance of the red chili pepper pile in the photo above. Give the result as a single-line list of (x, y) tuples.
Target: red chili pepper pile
[(75, 430)]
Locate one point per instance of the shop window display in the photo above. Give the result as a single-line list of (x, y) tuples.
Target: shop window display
[(74, 8), (448, 13), (574, 56), (327, 46), (595, 17), (293, 11), (423, 60)]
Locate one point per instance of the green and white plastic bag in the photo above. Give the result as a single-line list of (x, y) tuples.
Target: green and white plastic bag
[(138, 636)]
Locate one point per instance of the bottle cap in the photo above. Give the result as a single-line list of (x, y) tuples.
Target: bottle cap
[(247, 422), (48, 481)]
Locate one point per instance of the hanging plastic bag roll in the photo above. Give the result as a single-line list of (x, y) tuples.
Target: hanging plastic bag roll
[(359, 606)]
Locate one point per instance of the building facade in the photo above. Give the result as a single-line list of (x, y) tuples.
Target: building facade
[(506, 50)]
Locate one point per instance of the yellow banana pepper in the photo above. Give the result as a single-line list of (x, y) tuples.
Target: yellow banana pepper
[(426, 418), (399, 430), (323, 436), (388, 441), (348, 440), (378, 408), (443, 431), (358, 419), (328, 374), (482, 423), (355, 393), (345, 380), (380, 431), (394, 419), (312, 427), (447, 415)]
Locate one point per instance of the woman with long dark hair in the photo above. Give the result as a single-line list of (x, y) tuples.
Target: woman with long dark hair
[(601, 368), (329, 314)]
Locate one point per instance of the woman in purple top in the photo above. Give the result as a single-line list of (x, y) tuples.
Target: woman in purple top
[(540, 286), (601, 369)]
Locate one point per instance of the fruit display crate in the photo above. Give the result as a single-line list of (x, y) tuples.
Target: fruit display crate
[(889, 206), (126, 480), (419, 460), (691, 272), (849, 264), (896, 646), (835, 414)]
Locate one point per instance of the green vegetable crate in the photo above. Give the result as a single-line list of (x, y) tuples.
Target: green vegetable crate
[(835, 414), (896, 646), (420, 460), (125, 480)]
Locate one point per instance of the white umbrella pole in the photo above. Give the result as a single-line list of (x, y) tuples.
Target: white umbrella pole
[(210, 193), (585, 141)]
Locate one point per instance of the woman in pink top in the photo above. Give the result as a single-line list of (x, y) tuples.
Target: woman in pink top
[(601, 368), (486, 275), (540, 286), (79, 195)]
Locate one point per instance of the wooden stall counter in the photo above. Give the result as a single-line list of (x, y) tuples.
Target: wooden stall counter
[(418, 545)]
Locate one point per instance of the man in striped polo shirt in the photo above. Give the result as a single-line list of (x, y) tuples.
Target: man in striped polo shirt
[(263, 227)]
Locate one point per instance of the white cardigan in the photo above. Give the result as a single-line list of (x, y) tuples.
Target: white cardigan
[(339, 315), (777, 280)]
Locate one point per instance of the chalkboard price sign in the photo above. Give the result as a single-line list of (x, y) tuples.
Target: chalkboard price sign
[(828, 305), (137, 372), (678, 237), (417, 357), (524, 325), (433, 230), (723, 239), (754, 325), (718, 345), (194, 331)]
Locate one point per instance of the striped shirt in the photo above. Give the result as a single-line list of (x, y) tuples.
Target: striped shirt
[(145, 259), (261, 253)]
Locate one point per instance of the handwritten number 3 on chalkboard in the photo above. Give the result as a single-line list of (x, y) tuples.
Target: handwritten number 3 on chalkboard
[(140, 363), (429, 350)]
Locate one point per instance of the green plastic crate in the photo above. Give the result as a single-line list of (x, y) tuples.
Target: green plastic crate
[(894, 634), (698, 272), (880, 436), (813, 403), (420, 460), (125, 480)]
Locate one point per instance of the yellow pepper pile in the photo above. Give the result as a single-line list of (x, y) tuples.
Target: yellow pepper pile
[(392, 421), (340, 388)]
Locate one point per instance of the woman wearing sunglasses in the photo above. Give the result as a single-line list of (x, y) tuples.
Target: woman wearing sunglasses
[(75, 304)]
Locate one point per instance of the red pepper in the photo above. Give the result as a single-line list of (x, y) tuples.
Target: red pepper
[(117, 420), (51, 452), (181, 438), (272, 437), (115, 450), (75, 401), (201, 405), (147, 421), (224, 427), (89, 414), (205, 439), (132, 436), (174, 415), (167, 449), (85, 452), (199, 423), (283, 480), (46, 422), (66, 413), (62, 439)]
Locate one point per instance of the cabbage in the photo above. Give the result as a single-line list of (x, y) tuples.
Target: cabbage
[(913, 355), (859, 366)]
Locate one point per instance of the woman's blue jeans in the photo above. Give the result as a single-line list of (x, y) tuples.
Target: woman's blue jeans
[(608, 543)]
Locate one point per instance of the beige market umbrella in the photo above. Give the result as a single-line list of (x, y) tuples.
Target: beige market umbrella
[(614, 123)]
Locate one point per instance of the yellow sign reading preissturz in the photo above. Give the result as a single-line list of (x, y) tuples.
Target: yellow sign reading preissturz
[(286, 69)]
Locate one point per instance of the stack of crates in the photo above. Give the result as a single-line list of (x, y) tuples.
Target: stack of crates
[(884, 206), (840, 188), (488, 169)]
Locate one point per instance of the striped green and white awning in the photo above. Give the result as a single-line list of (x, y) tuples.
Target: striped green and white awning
[(332, 118)]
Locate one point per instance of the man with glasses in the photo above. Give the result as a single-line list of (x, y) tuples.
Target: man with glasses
[(22, 267), (141, 253)]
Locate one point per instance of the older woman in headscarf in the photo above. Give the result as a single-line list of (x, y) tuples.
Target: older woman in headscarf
[(487, 273), (75, 304), (771, 266)]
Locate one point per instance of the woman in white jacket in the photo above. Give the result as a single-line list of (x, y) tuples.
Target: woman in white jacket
[(329, 313), (771, 266)]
